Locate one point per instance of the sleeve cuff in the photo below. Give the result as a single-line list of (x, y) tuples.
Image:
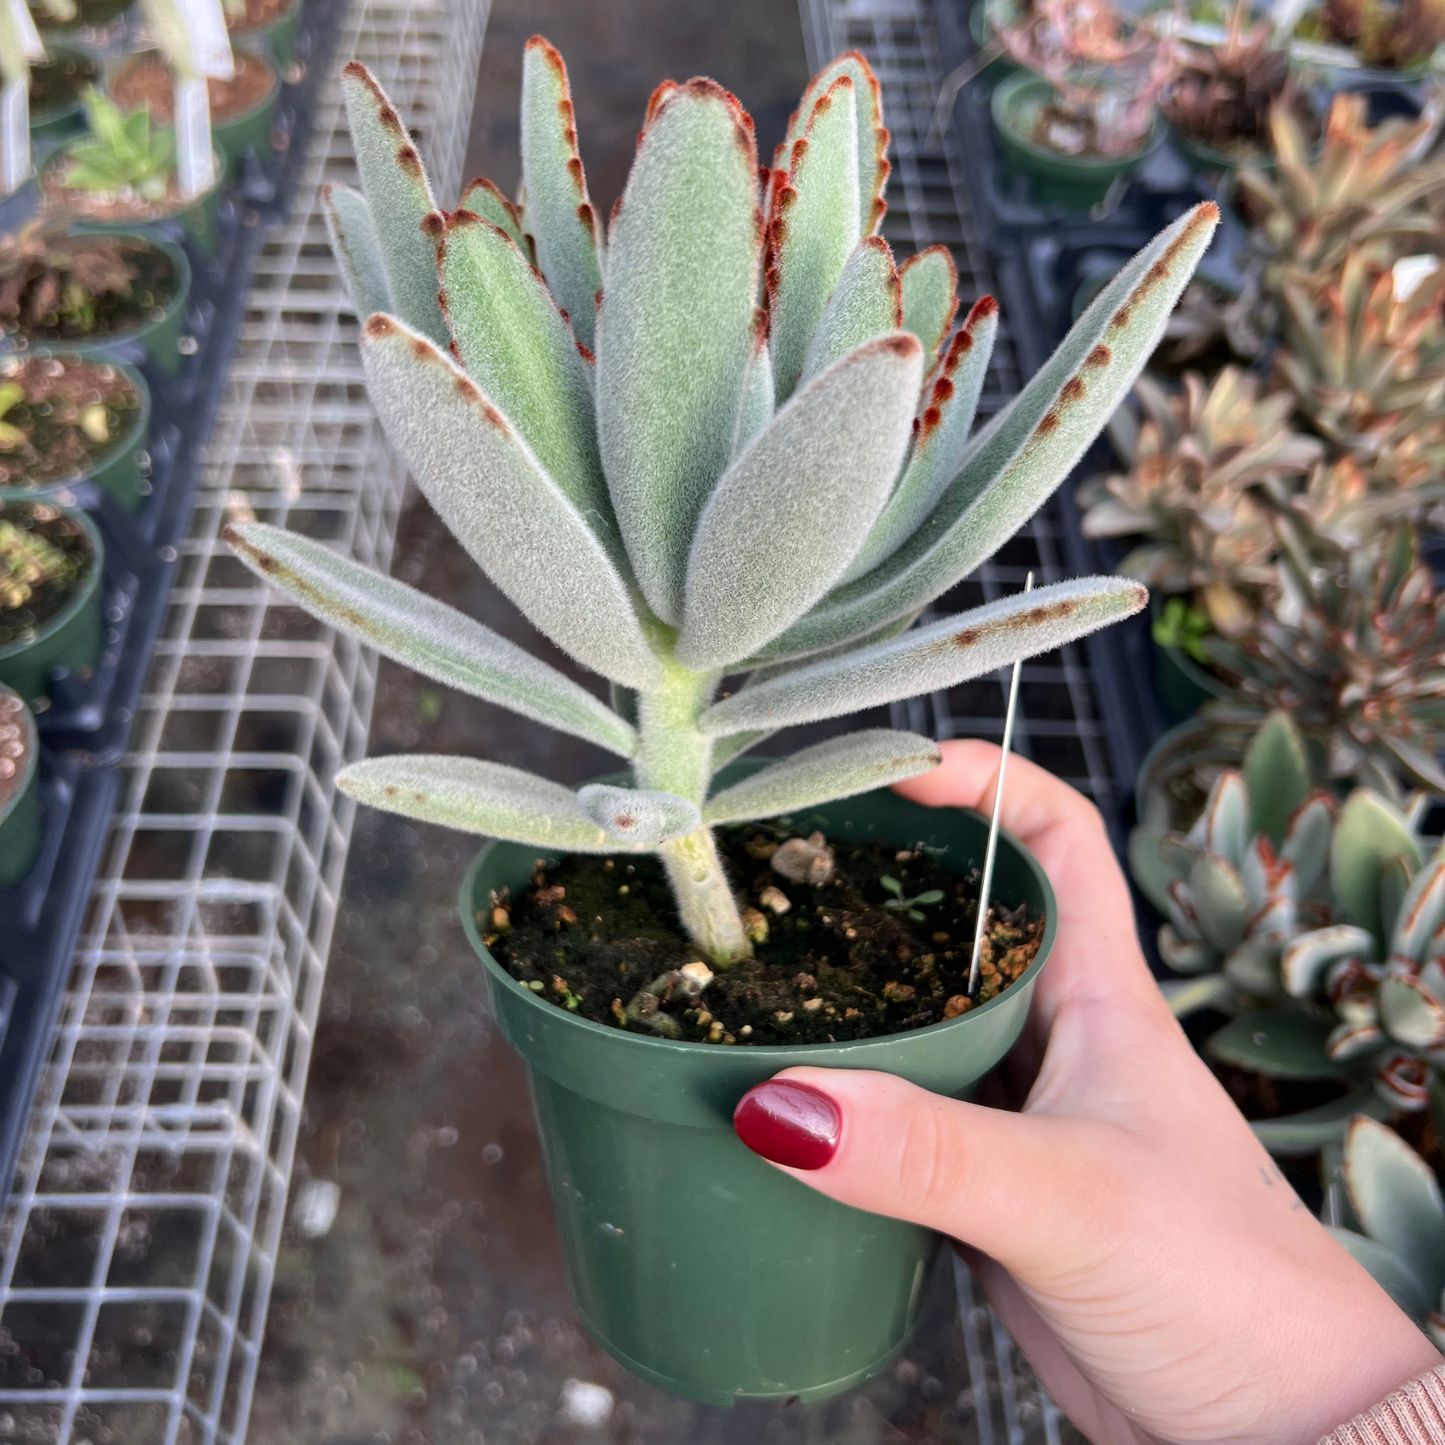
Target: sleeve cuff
[(1414, 1415)]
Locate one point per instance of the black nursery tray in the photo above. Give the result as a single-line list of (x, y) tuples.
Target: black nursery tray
[(85, 730)]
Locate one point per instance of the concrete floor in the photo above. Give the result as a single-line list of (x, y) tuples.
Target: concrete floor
[(435, 1311)]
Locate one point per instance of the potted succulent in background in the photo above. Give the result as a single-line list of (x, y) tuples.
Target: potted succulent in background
[(92, 293), (1358, 43), (242, 108), (122, 176), (1218, 104), (678, 486), (57, 85), (269, 23), (1083, 111), (1199, 464), (50, 574), (21, 824), (67, 419)]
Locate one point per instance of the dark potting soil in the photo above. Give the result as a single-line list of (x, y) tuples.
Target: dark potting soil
[(838, 962), (57, 83), (145, 80), (56, 288), (14, 742), (45, 556), (72, 415)]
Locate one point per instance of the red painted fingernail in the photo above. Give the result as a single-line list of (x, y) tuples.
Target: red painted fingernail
[(789, 1123)]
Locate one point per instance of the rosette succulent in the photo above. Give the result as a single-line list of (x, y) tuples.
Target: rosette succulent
[(724, 436)]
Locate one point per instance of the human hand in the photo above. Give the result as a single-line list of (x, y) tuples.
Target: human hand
[(1137, 1241)]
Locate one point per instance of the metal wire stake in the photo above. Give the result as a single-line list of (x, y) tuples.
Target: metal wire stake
[(992, 850)]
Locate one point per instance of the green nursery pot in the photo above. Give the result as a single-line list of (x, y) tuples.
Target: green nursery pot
[(1182, 684), (65, 117), (1077, 183), (695, 1263), (21, 823), (279, 37), (71, 639)]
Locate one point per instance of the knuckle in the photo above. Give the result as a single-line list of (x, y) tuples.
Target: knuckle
[(930, 1166)]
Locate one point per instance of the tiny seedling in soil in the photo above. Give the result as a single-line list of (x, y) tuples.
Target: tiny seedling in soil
[(600, 937), (58, 287), (907, 905), (44, 556), (59, 417)]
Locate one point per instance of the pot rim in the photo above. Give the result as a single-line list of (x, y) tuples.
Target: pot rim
[(125, 225), (254, 52), (244, 32), (762, 1051), (57, 49), (134, 437), (82, 594), (32, 755), (1011, 85)]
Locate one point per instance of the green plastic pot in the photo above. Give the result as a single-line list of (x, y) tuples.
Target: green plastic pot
[(1076, 183), (59, 121), (1182, 684), (984, 34), (121, 473), (279, 37), (693, 1262), (71, 639), (21, 824), (236, 134)]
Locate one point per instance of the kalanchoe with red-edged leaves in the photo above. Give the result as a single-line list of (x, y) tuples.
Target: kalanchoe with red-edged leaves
[(727, 437)]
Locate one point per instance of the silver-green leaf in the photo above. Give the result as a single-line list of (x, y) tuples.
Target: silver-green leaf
[(559, 217), (676, 330), (1016, 462), (520, 352), (929, 282), (479, 797), (426, 635), (493, 494), (357, 249), (787, 517), (1394, 1193), (484, 199), (400, 201), (865, 303), (643, 817), (938, 656), (854, 763)]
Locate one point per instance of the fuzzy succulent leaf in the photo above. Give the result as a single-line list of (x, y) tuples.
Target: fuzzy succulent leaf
[(399, 198), (1305, 960), (1370, 833), (1223, 827), (726, 749), (357, 249), (855, 763), (1018, 460), (1186, 996), (864, 304), (950, 401), (787, 517), (1313, 1129), (930, 296), (561, 220), (1147, 864), (813, 229), (1282, 1043), (1387, 1269), (643, 817), (873, 166), (1410, 1014), (1307, 840), (483, 199), (1220, 901), (492, 493), (426, 635), (757, 408), (479, 797), (1397, 1200), (520, 352), (1421, 912), (1278, 774), (676, 330), (939, 656)]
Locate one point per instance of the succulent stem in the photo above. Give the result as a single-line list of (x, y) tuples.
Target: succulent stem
[(675, 756)]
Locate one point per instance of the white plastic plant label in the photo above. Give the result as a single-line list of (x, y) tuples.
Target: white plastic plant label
[(195, 159), (208, 43), (19, 47), (192, 34)]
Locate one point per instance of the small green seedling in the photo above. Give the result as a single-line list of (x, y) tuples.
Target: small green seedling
[(122, 152), (1185, 626), (910, 906)]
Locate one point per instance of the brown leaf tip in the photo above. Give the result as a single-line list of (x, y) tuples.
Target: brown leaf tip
[(378, 325), (434, 224), (981, 310), (355, 70), (540, 45)]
